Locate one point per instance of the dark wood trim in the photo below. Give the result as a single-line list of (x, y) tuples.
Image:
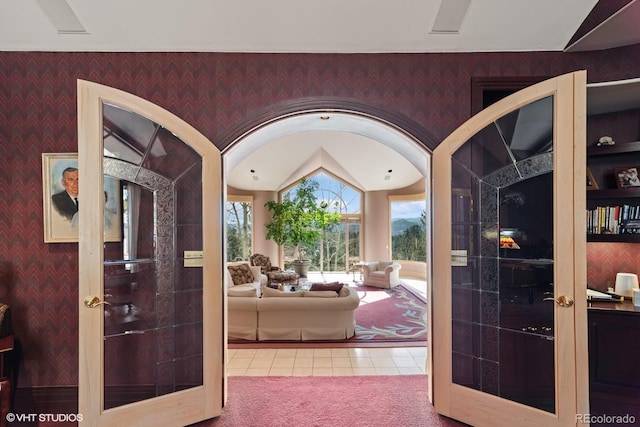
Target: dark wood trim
[(606, 150), (46, 400), (275, 112), (481, 85), (64, 399)]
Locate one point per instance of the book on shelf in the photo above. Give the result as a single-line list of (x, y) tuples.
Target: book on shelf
[(620, 219)]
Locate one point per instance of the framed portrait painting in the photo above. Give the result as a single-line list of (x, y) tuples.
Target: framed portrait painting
[(62, 198)]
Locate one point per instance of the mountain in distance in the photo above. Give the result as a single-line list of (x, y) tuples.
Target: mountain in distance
[(399, 225)]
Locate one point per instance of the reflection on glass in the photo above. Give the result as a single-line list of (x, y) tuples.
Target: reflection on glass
[(502, 224), (153, 325)]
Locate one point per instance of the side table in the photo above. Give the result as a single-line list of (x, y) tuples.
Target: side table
[(359, 267)]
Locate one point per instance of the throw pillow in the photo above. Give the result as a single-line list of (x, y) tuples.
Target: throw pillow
[(334, 286), (240, 274), (242, 292), (268, 292), (321, 294)]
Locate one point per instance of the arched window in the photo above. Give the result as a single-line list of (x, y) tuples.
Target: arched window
[(339, 247)]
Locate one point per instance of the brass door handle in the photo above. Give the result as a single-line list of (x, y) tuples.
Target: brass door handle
[(93, 301), (562, 300)]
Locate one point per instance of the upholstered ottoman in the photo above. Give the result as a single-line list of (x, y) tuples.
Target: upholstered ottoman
[(284, 277)]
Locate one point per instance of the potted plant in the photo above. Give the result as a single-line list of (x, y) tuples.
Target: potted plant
[(298, 220)]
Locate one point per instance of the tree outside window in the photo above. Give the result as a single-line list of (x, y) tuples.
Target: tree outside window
[(239, 228), (339, 246)]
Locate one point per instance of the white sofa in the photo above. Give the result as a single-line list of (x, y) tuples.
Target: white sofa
[(242, 320), (381, 274), (296, 316)]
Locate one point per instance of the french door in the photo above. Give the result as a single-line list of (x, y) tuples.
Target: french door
[(509, 288), (150, 301)]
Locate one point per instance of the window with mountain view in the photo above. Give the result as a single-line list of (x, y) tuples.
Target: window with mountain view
[(408, 228)]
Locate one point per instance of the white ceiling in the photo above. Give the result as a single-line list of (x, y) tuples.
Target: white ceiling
[(290, 25), (279, 153), (367, 154)]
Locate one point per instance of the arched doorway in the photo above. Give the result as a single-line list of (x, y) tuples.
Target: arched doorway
[(369, 152), (410, 143)]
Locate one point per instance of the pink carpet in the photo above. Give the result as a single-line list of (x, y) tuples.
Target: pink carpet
[(367, 401)]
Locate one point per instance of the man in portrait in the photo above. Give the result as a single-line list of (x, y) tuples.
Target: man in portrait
[(66, 201)]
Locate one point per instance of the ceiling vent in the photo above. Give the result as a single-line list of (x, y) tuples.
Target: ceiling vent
[(450, 16), (62, 16)]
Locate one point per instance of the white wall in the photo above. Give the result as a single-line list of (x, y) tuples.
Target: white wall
[(376, 226), (260, 217)]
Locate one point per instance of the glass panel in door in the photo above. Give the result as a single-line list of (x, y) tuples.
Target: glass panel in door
[(502, 326), (143, 315), (153, 322), (506, 250)]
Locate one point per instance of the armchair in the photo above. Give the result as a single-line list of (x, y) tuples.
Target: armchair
[(274, 274), (381, 274)]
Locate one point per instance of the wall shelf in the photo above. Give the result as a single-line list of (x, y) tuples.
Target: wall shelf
[(606, 150), (603, 160), (614, 193)]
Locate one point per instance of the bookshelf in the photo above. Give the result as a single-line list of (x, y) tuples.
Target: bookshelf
[(610, 208)]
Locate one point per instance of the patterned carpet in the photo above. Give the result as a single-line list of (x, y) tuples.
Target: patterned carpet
[(394, 315)]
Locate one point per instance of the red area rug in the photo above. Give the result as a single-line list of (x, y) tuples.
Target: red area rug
[(398, 315), (369, 401), (385, 317)]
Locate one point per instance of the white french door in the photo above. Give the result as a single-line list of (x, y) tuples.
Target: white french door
[(150, 301), (509, 272)]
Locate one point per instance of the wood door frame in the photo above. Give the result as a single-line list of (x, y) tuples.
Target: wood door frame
[(474, 406), (481, 85), (182, 407)]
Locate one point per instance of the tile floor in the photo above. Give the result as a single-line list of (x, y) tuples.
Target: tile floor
[(327, 361), (330, 361)]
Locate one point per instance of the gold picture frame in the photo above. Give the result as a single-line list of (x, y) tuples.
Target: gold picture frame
[(591, 181), (60, 188)]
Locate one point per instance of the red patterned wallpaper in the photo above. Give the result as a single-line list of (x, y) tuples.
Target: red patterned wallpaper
[(213, 92), (605, 260)]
